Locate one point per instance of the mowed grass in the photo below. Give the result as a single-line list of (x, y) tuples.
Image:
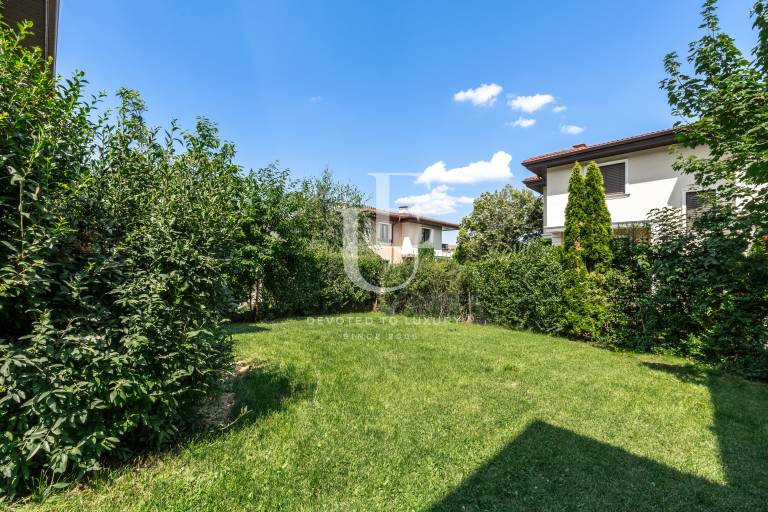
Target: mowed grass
[(375, 412)]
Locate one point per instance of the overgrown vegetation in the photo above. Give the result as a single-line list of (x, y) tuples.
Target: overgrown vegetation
[(115, 245), (437, 289), (288, 258), (123, 250), (716, 272)]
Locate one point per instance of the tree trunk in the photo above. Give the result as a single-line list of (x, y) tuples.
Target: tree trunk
[(255, 310)]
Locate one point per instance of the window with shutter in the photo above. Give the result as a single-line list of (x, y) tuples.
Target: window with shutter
[(692, 200), (614, 178), (384, 233), (692, 206)]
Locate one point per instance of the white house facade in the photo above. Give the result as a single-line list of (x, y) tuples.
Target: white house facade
[(637, 175)]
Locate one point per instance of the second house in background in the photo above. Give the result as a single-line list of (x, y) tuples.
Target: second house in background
[(398, 235), (637, 175)]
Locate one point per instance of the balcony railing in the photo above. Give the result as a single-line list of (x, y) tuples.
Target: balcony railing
[(413, 251)]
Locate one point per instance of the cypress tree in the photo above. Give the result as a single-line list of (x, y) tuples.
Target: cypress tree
[(575, 217), (597, 230)]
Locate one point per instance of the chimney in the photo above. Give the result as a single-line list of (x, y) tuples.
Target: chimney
[(403, 208), (579, 146)]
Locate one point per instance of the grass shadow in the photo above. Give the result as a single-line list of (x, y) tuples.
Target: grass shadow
[(246, 328), (740, 422), (550, 468), (263, 389), (687, 373)]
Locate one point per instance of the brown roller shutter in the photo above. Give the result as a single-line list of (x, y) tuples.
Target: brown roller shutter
[(692, 207), (614, 178), (692, 201)]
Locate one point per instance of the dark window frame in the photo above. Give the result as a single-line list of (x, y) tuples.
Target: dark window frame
[(611, 185), (695, 207)]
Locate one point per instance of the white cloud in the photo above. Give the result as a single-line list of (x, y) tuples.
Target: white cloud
[(559, 108), (315, 99), (483, 96), (436, 202), (494, 170), (571, 129), (522, 122), (530, 103)]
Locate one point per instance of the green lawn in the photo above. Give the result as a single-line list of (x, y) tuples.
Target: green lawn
[(373, 412)]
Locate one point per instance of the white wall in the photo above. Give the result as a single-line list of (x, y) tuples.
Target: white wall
[(412, 230), (400, 231), (651, 183)]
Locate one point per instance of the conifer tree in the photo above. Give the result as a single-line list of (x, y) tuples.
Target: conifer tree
[(597, 231), (575, 216)]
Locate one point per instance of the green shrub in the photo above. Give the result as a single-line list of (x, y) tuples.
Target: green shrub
[(288, 259), (336, 292), (438, 289), (710, 290), (629, 286), (313, 282), (597, 231), (113, 276), (590, 312), (521, 289)]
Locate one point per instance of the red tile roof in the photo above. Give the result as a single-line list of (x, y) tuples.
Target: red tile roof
[(401, 216), (539, 164), (643, 141), (535, 183)]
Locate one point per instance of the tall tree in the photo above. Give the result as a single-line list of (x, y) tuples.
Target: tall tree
[(499, 222), (575, 216), (723, 103), (322, 198), (270, 231), (597, 231)]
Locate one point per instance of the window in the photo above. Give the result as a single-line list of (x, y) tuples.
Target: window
[(384, 232), (692, 206), (614, 178), (426, 235)]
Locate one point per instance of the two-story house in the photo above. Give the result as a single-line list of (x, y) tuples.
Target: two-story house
[(398, 235), (637, 174)]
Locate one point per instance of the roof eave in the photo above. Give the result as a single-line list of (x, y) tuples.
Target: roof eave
[(536, 187), (539, 166), (411, 217)]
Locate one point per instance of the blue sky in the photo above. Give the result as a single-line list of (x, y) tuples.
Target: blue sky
[(364, 87)]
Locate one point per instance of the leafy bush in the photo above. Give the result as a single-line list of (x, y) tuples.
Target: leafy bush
[(500, 221), (709, 295), (288, 259), (313, 282), (629, 286), (113, 280), (438, 289), (521, 289), (710, 289)]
